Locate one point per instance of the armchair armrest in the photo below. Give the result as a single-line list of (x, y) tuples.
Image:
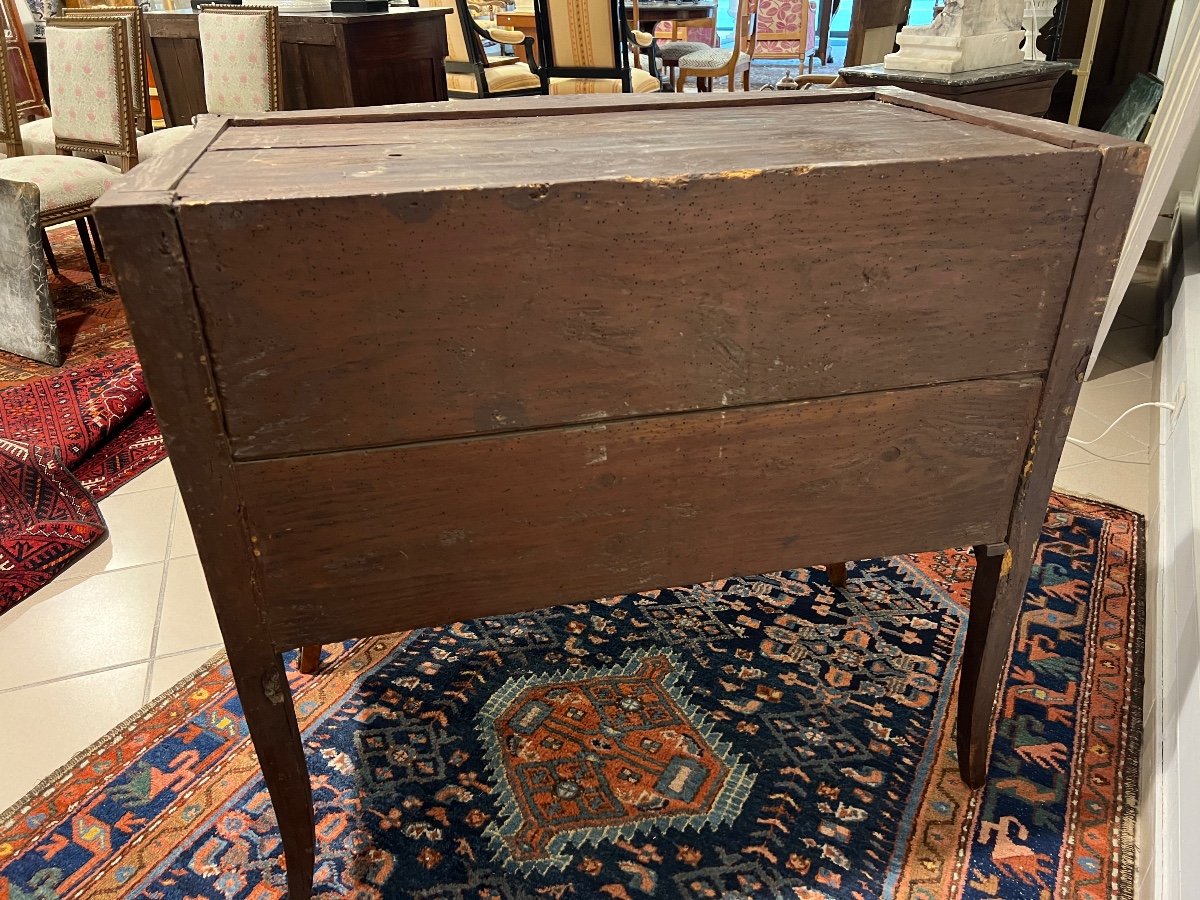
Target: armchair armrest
[(645, 42), (507, 36), (510, 38)]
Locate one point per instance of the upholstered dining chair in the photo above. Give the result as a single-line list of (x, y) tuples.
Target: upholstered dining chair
[(32, 112), (150, 143), (239, 49), (470, 72), (584, 48), (87, 62), (673, 50), (717, 62)]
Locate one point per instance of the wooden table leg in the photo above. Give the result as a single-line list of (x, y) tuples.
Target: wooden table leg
[(267, 703), (310, 659), (991, 622), (836, 573)]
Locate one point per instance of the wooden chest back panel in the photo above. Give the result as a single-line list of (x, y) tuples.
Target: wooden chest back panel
[(364, 541), (369, 321)]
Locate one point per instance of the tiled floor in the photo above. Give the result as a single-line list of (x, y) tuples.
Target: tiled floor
[(133, 617)]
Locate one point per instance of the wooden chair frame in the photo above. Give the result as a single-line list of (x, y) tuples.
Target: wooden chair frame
[(10, 121), (272, 13), (125, 150), (480, 63), (744, 39), (548, 68), (134, 34), (34, 105)]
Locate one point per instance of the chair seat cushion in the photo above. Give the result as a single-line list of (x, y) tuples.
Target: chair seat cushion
[(37, 137), (515, 77), (64, 181), (678, 49), (642, 82), (156, 143), (714, 58)]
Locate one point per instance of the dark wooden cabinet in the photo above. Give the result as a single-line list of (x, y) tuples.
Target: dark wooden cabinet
[(474, 347), (328, 60)]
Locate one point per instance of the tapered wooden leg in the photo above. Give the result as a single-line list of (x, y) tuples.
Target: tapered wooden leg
[(745, 79), (95, 232), (271, 717), (836, 573), (49, 252), (995, 602), (310, 659), (87, 251)]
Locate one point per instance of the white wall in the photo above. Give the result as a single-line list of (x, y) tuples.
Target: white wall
[(1171, 779)]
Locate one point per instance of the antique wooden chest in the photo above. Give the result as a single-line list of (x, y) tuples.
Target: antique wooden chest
[(538, 351)]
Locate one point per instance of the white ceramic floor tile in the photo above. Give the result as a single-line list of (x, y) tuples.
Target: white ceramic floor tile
[(160, 475), (1132, 346), (183, 542), (1117, 444), (188, 621), (48, 724), (1123, 482), (168, 671), (1108, 402), (138, 526), (78, 625), (1140, 303), (1108, 372)]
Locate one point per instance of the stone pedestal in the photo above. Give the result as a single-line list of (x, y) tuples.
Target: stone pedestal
[(966, 35)]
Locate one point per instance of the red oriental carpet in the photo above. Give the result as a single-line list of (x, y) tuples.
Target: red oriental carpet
[(754, 739), (69, 436)]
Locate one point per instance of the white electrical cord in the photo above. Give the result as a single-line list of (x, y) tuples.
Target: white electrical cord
[(1170, 406)]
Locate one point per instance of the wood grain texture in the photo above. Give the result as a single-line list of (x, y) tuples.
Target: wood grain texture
[(1122, 168), (434, 342), (934, 273), (519, 521)]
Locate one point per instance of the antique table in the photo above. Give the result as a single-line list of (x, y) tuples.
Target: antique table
[(1024, 87), (329, 60), (356, 413)]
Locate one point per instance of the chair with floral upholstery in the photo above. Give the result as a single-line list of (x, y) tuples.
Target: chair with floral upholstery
[(584, 46), (87, 62), (716, 62), (470, 72), (239, 47), (32, 112)]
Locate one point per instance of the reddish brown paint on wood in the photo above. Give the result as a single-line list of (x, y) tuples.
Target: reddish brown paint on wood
[(593, 511), (964, 451)]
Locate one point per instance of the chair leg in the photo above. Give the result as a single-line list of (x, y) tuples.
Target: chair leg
[(96, 237), (836, 572), (730, 80), (87, 251), (310, 659), (746, 80), (49, 252)]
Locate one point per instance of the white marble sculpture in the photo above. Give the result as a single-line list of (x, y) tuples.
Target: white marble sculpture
[(1037, 14), (966, 35)]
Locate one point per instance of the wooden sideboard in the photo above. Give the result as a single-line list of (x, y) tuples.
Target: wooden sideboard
[(328, 61), (358, 412)]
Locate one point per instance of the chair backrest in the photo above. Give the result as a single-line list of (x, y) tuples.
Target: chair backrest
[(462, 42), (873, 27), (10, 123), (745, 37), (583, 39), (26, 88), (87, 60), (239, 47), (139, 86)]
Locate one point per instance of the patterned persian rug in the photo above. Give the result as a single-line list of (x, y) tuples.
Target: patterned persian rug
[(69, 435), (761, 737)]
